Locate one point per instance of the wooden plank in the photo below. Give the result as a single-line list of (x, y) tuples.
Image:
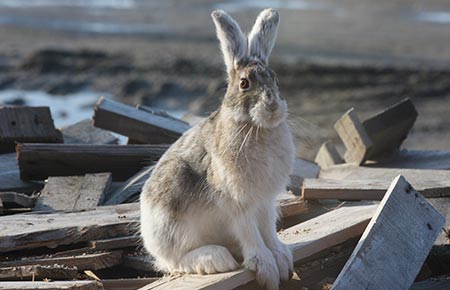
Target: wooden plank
[(305, 240), (10, 177), (354, 136), (416, 159), (38, 272), (291, 205), (126, 284), (395, 244), (84, 132), (18, 199), (302, 169), (131, 187), (51, 285), (137, 124), (349, 171), (39, 161), (73, 192), (367, 189), (95, 261), (328, 155), (388, 129), (26, 124), (115, 243), (26, 231)]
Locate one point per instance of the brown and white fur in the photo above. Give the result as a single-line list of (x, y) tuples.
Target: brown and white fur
[(211, 200)]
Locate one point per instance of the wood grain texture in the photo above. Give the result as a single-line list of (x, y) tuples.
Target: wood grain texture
[(388, 129), (84, 132), (26, 124), (26, 231), (367, 189), (349, 171), (51, 285), (94, 261), (39, 161), (328, 155), (395, 244), (137, 124), (291, 205), (305, 240), (73, 192), (38, 272), (354, 136), (115, 243)]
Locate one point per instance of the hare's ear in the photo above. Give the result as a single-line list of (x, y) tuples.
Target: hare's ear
[(262, 37), (232, 41)]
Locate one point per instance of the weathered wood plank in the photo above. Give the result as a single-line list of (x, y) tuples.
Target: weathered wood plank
[(38, 272), (291, 205), (126, 284), (10, 177), (73, 192), (354, 136), (39, 161), (95, 261), (388, 129), (26, 124), (84, 132), (305, 240), (19, 199), (26, 231), (131, 187), (367, 189), (415, 159), (349, 171), (137, 124), (52, 285), (115, 243), (328, 155), (395, 244)]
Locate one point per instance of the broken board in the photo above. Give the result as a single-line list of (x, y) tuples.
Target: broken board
[(395, 244)]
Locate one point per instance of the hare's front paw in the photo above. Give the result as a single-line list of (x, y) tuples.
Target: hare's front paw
[(283, 257), (266, 269)]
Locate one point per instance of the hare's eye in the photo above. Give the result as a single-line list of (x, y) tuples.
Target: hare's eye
[(244, 84)]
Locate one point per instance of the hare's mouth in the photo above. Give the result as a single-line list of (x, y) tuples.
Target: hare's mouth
[(268, 118)]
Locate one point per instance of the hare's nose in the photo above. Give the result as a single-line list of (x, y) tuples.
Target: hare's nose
[(273, 106)]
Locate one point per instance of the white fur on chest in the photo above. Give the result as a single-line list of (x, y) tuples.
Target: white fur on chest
[(261, 170)]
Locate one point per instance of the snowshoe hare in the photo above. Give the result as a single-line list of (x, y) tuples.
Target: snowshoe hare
[(210, 204)]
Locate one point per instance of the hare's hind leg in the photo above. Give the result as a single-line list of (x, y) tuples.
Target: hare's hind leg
[(208, 259)]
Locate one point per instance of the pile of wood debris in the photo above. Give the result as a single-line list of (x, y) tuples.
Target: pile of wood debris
[(69, 216)]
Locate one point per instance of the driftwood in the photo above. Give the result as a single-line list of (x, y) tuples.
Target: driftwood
[(305, 240), (38, 272), (73, 192), (84, 132), (395, 243), (368, 189), (26, 124), (39, 161), (26, 231), (137, 124)]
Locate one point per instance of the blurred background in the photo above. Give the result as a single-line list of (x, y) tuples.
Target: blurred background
[(329, 56)]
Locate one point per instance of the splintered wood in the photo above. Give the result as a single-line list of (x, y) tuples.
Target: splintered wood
[(395, 244)]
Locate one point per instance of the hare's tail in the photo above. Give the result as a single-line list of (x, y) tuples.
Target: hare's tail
[(208, 259)]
